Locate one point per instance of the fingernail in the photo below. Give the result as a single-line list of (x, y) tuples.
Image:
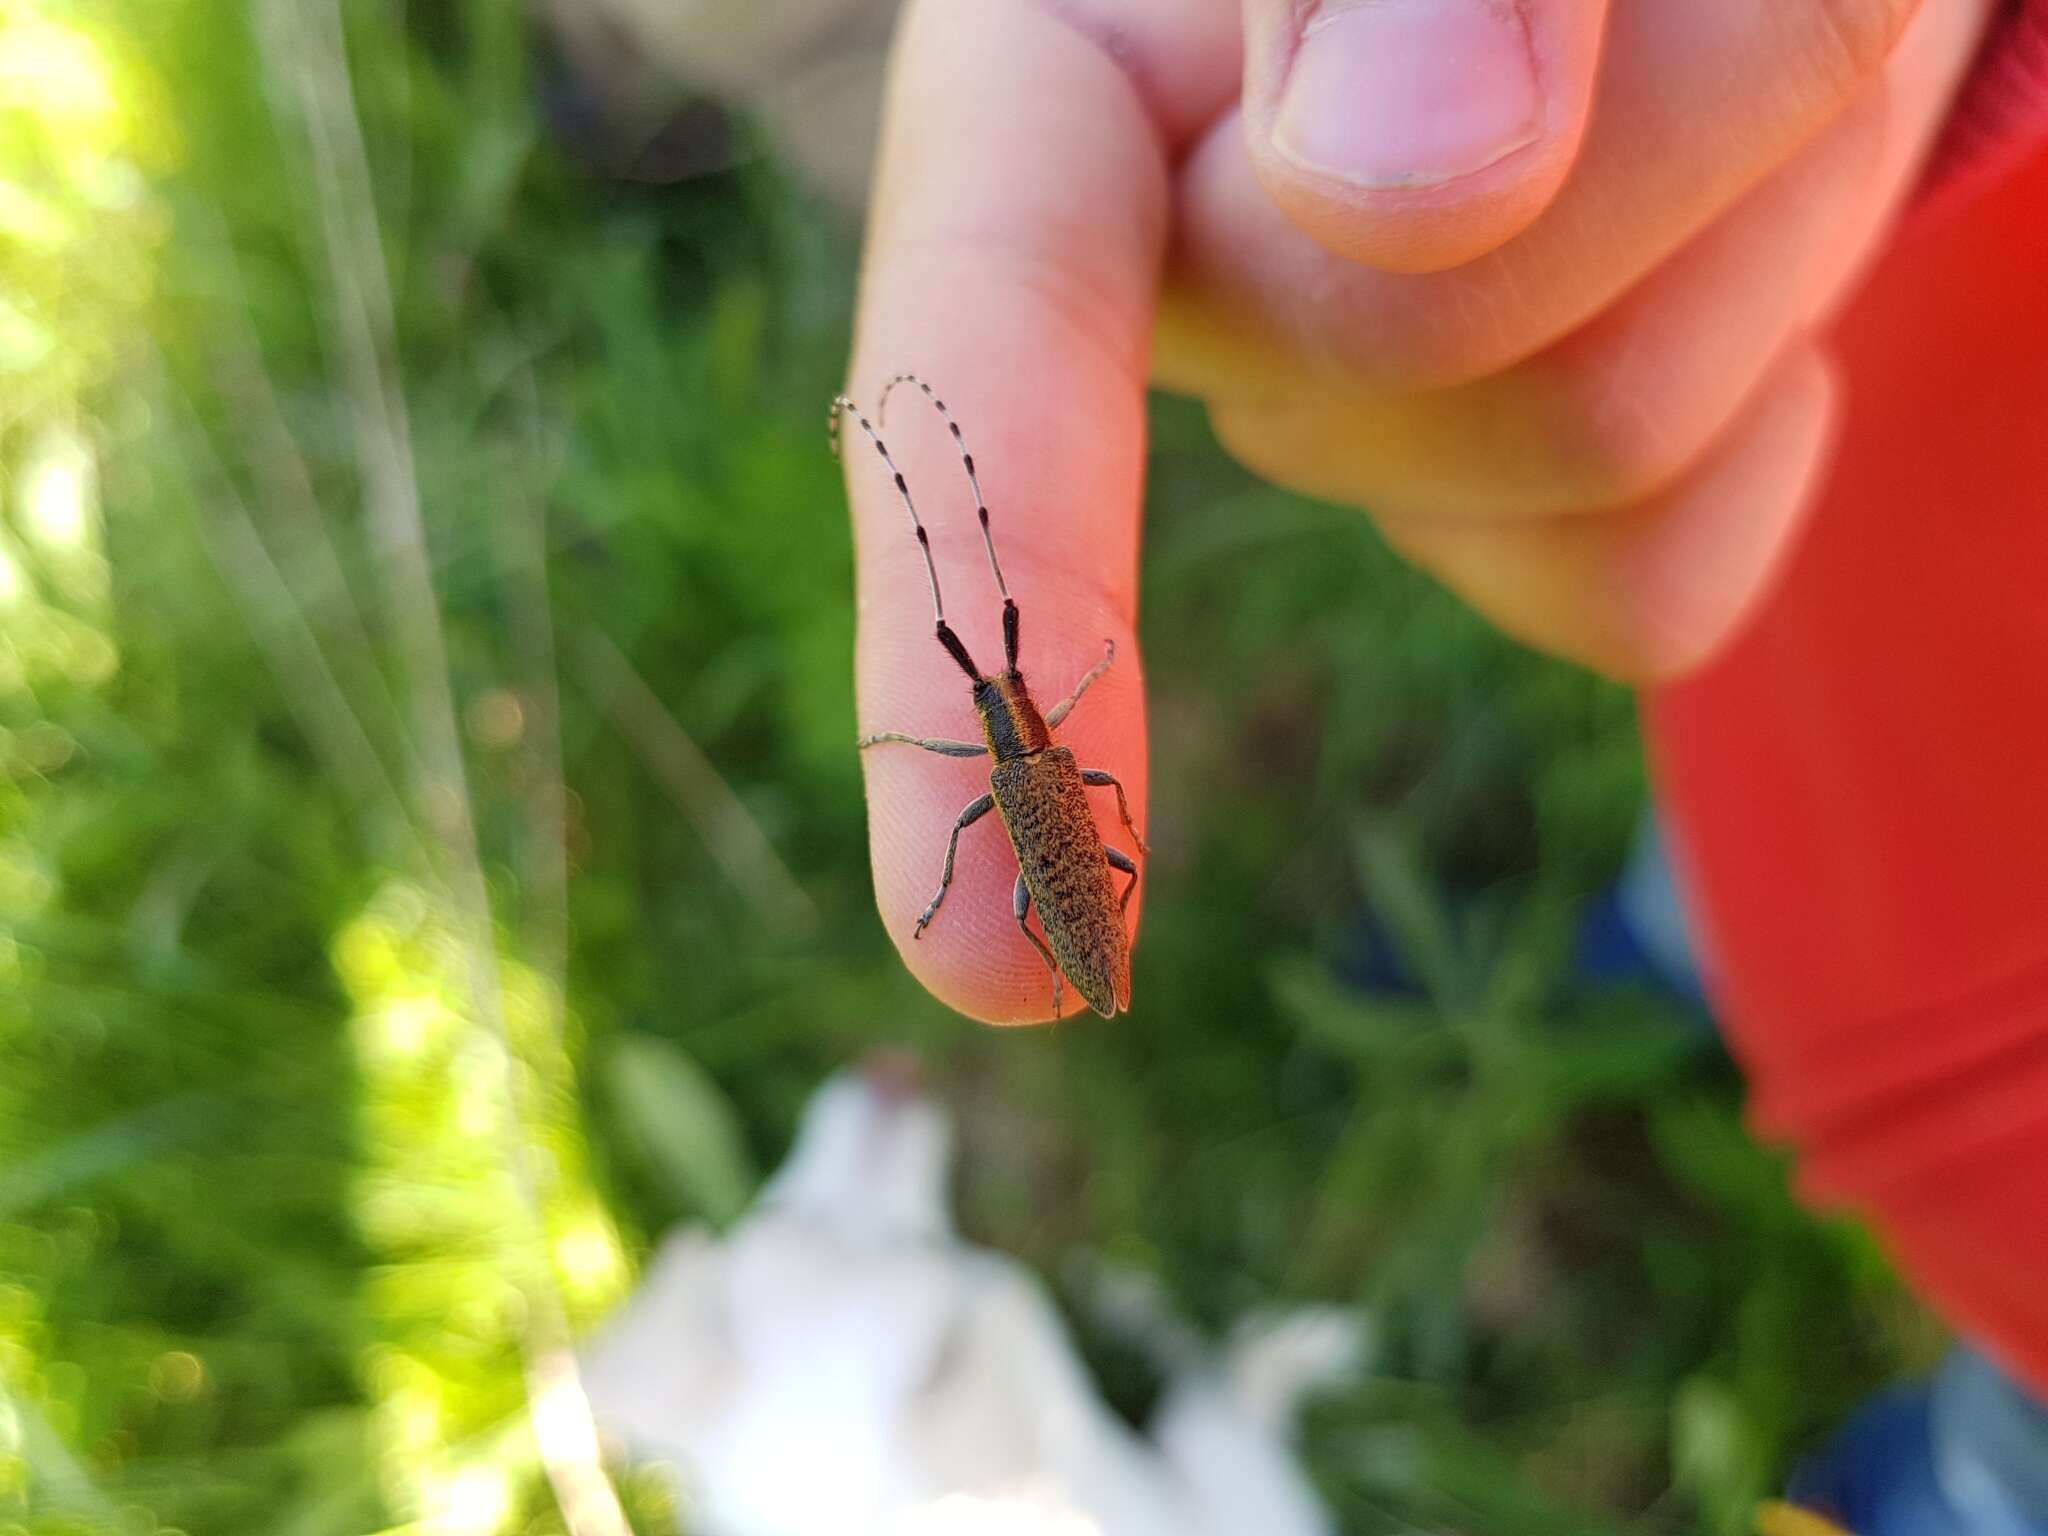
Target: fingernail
[(1409, 93)]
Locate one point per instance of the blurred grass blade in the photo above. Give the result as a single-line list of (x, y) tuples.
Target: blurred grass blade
[(91, 1155), (1719, 1455), (1391, 872), (305, 53), (684, 1124), (57, 1480), (1376, 1034), (734, 837)]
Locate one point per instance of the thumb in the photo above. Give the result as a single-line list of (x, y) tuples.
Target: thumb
[(1417, 134)]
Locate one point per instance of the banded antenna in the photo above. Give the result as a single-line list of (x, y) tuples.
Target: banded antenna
[(946, 636), (988, 541)]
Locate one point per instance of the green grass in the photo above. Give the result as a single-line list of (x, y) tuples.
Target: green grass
[(332, 1079)]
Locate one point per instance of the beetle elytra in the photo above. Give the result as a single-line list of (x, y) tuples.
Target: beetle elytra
[(1036, 786)]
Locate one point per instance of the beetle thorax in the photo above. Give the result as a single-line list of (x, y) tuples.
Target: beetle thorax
[(1009, 719)]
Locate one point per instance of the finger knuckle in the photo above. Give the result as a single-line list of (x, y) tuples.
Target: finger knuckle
[(1434, 332), (1616, 445), (1852, 39)]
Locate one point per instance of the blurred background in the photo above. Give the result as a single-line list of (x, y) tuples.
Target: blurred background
[(432, 859)]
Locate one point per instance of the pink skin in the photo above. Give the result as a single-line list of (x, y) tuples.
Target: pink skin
[(1408, 93), (1416, 134), (1578, 371)]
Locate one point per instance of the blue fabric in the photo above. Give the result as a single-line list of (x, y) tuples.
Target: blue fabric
[(1879, 1476)]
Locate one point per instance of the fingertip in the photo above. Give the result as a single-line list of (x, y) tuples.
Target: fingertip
[(1063, 482), (972, 956), (1412, 230), (969, 956)]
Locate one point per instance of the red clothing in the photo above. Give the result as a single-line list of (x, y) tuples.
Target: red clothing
[(2001, 118), (1859, 784)]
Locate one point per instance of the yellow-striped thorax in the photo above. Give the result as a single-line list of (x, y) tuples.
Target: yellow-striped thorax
[(1009, 720)]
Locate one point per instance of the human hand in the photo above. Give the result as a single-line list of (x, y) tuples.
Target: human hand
[(1537, 283)]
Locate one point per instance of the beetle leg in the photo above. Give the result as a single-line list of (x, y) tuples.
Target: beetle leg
[(1020, 906), (1060, 710), (937, 744), (1118, 859), (968, 818), (1097, 777)]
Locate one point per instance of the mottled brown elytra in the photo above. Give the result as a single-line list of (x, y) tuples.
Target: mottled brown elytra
[(1041, 792)]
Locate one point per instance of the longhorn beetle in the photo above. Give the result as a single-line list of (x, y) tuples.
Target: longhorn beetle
[(1063, 865)]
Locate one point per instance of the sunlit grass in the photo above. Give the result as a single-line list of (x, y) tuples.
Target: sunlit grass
[(77, 222), (450, 1115)]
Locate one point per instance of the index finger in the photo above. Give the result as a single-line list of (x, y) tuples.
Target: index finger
[(1019, 223)]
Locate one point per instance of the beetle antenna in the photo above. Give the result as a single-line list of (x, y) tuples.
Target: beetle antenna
[(947, 638), (980, 505)]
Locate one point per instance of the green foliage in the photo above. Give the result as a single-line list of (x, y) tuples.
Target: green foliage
[(672, 1114), (333, 1079)]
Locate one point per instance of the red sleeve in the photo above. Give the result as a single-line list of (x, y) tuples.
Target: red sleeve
[(2001, 117), (1859, 784)]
